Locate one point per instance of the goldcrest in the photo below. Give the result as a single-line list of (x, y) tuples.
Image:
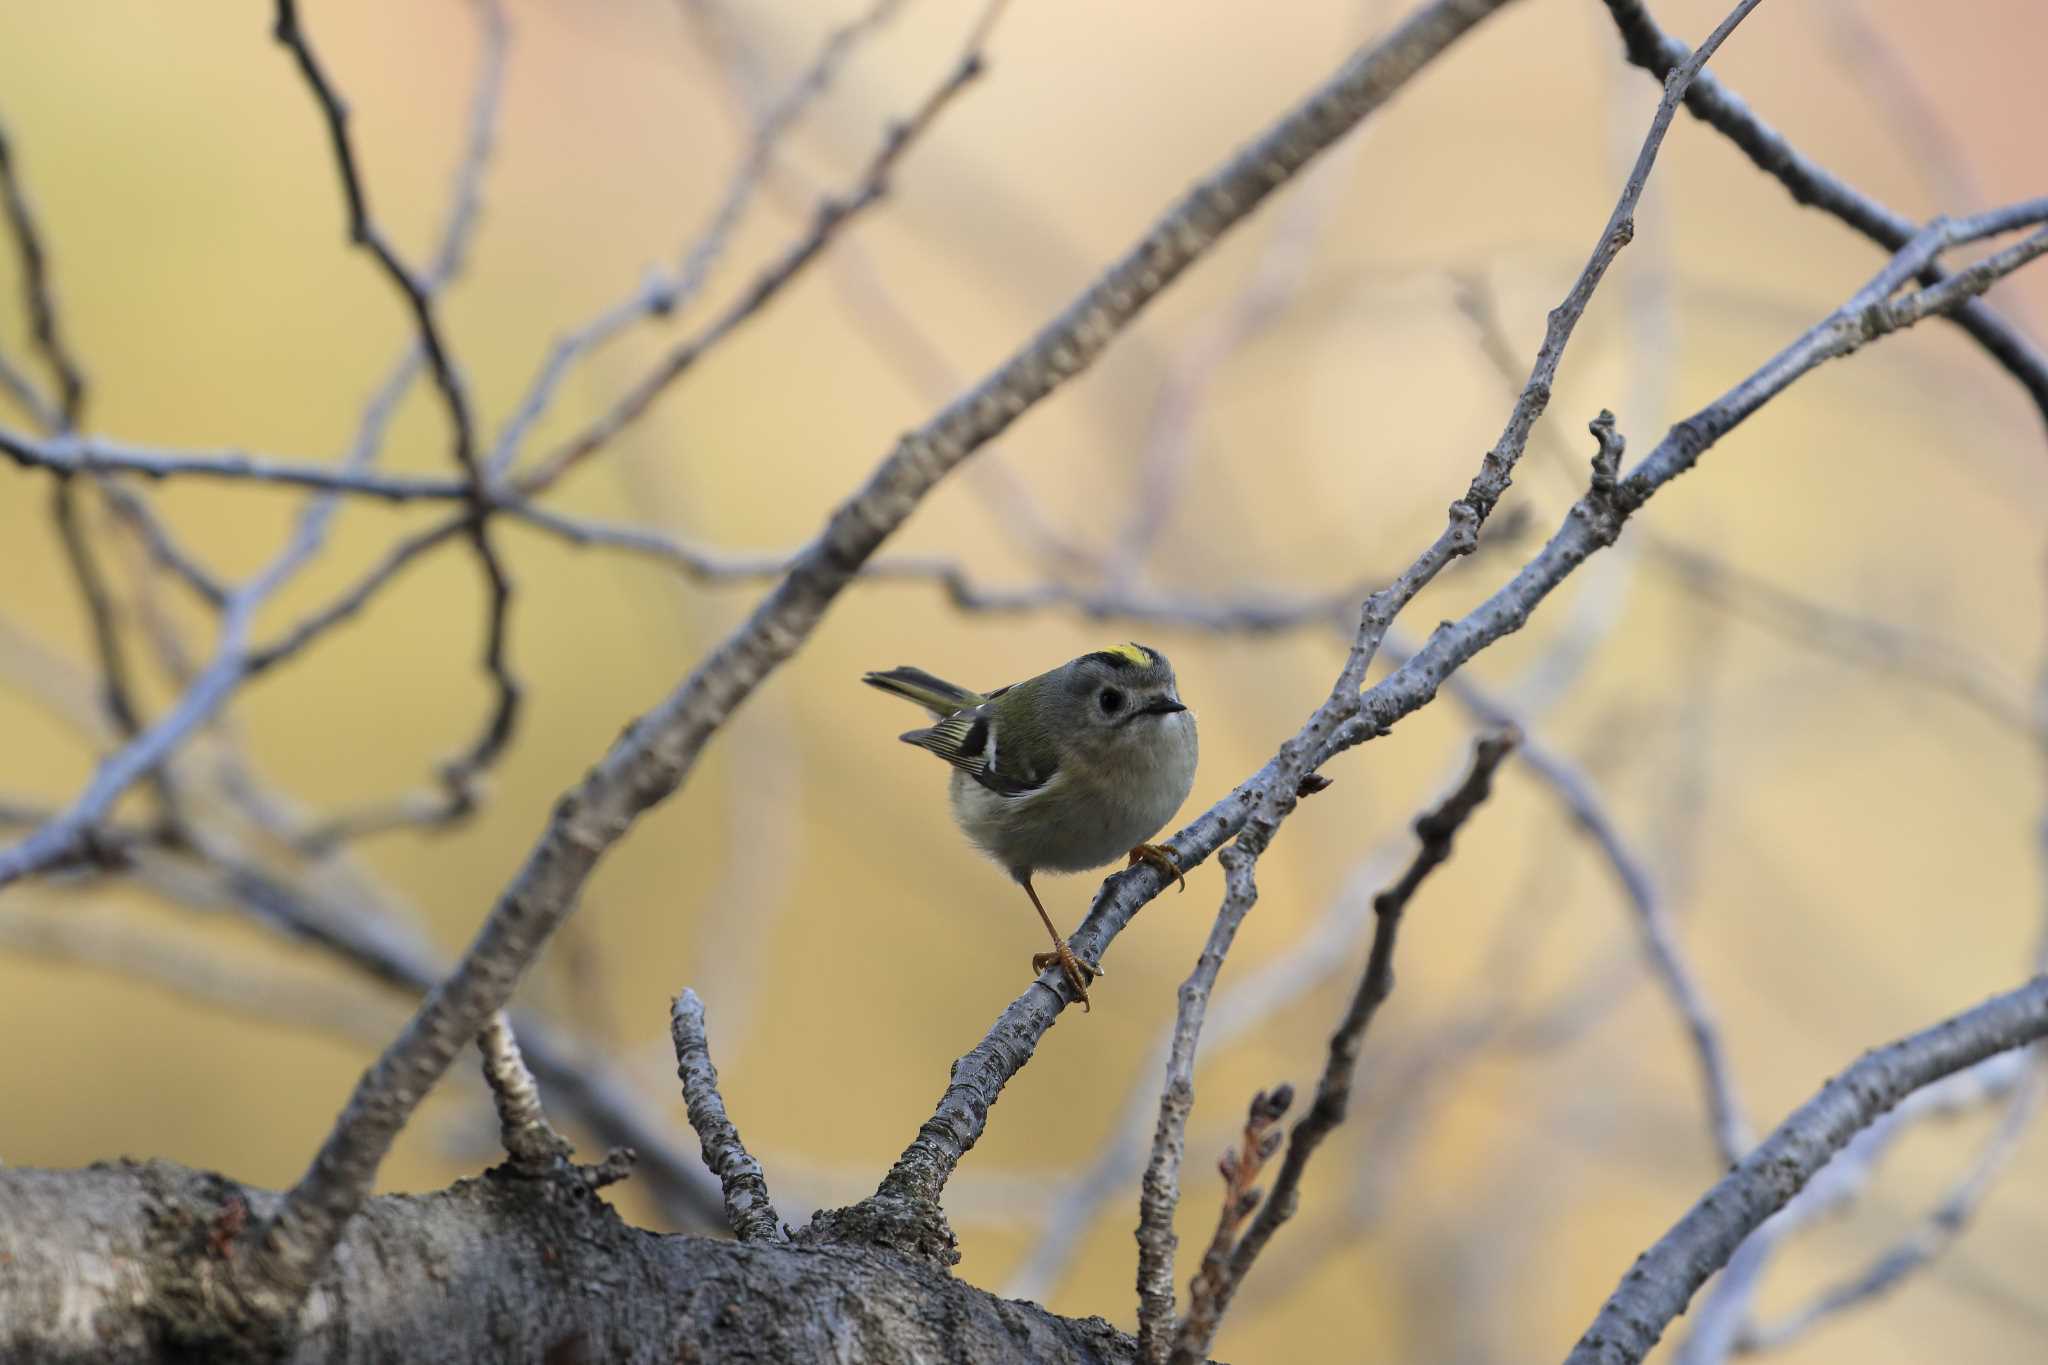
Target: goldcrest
[(1063, 772)]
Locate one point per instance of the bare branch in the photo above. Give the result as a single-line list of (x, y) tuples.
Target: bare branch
[(156, 539), (1650, 48), (770, 129), (1941, 1226), (1162, 1175), (1723, 1323), (1674, 971), (659, 296), (31, 400), (235, 658), (1159, 1190), (747, 1205), (832, 215), (38, 294), (1438, 830), (657, 752), (70, 454), (531, 1142), (419, 293), (1665, 1277), (116, 685), (1208, 1293), (375, 943)]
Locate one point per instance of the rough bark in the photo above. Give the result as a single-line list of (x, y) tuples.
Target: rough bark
[(127, 1262)]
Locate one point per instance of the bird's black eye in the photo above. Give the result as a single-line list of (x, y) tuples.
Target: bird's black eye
[(1111, 700)]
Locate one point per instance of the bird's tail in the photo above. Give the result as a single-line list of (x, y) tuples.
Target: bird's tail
[(935, 695)]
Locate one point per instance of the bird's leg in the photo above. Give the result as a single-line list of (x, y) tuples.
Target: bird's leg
[(1160, 857), (1078, 973)]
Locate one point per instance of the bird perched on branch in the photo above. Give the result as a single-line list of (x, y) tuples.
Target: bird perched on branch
[(1063, 772)]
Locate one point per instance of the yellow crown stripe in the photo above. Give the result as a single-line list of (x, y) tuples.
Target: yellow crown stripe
[(1133, 651)]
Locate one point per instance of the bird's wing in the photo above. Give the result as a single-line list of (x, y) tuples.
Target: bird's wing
[(968, 742)]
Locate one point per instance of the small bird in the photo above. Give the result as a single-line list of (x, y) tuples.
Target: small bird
[(1062, 772)]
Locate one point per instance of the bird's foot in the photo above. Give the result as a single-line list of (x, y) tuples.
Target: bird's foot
[(1162, 858), (1078, 973)]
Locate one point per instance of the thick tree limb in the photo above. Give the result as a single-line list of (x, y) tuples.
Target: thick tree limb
[(126, 1264), (1665, 1277)]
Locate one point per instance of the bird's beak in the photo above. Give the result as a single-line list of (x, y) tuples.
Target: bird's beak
[(1163, 706)]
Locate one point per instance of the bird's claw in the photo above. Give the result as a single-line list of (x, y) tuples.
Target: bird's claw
[(1162, 858), (1078, 973)]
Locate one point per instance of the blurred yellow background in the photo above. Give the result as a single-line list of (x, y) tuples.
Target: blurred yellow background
[(1852, 854)]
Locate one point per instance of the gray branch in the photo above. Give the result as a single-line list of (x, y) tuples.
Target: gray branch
[(1666, 1276), (1808, 182), (747, 1206), (532, 1143), (130, 1264), (1438, 830), (421, 293)]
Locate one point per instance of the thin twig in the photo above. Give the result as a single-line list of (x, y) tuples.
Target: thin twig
[(1240, 1168), (39, 296), (31, 400), (98, 455), (747, 1206), (235, 657), (132, 508), (1159, 1189), (532, 1143), (1712, 102), (658, 296), (1438, 829), (116, 685), (831, 216), (1274, 797), (769, 132), (1659, 935), (420, 293)]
